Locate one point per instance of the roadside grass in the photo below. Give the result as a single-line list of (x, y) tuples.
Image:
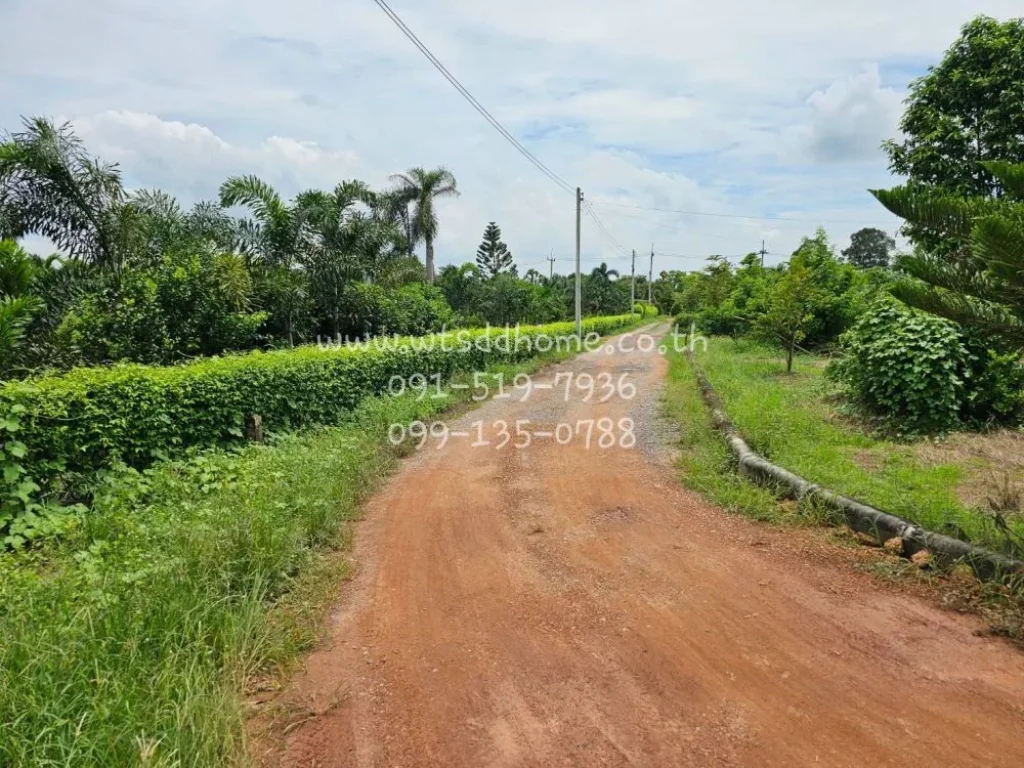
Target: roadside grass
[(790, 420), (132, 640)]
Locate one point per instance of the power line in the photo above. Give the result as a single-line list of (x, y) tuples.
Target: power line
[(602, 228), (735, 215), (472, 99)]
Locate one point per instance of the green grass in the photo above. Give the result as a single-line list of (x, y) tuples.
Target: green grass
[(788, 419), (130, 641)]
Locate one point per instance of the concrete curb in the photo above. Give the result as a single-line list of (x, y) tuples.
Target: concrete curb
[(987, 564)]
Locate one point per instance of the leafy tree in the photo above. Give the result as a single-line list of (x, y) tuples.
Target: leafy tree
[(980, 283), (869, 247), (49, 185), (966, 111), (493, 256), (506, 300), (789, 309), (422, 187), (461, 286)]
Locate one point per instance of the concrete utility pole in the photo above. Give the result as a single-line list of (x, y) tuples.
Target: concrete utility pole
[(650, 279), (763, 252), (551, 265), (579, 282), (632, 285)]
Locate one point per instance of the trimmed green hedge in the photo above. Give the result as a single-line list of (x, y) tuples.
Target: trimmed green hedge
[(91, 417)]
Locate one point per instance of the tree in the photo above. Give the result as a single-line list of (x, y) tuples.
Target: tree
[(869, 247), (50, 186), (493, 256), (274, 240), (788, 310), (965, 111), (980, 284), (422, 187)]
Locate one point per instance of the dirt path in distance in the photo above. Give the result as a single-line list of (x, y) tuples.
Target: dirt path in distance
[(563, 606)]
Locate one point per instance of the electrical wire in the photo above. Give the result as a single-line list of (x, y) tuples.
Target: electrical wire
[(734, 215), (472, 99), (602, 228)]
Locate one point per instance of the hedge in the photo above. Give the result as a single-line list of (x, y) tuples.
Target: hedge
[(89, 418)]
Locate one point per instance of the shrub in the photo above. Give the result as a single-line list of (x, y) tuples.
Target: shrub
[(918, 372), (411, 310), (91, 418)]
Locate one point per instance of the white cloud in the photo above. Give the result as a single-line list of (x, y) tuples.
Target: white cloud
[(644, 103), (851, 118)]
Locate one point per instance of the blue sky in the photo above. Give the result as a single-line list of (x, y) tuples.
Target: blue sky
[(734, 107)]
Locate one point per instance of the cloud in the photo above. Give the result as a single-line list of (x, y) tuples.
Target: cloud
[(645, 104), (851, 117)]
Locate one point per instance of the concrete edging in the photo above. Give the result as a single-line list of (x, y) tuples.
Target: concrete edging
[(987, 564)]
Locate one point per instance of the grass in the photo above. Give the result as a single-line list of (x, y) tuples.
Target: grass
[(789, 419), (132, 640)]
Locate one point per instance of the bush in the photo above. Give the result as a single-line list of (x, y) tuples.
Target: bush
[(91, 418), (918, 373), (411, 310)]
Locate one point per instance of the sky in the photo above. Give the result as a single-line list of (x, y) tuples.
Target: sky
[(757, 121)]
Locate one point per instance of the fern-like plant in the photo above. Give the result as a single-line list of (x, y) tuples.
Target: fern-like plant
[(980, 282)]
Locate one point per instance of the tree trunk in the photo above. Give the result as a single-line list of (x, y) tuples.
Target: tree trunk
[(789, 356), (430, 260)]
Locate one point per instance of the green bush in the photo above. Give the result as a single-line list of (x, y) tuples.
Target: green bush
[(918, 373), (92, 417), (412, 310)]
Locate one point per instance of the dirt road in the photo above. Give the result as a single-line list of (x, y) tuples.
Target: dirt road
[(558, 605)]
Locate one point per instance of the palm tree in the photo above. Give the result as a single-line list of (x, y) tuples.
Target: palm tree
[(603, 274), (50, 186), (421, 187), (275, 241)]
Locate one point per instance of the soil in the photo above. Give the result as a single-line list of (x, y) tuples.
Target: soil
[(558, 606)]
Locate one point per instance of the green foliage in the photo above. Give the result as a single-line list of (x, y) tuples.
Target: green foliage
[(978, 280), (24, 516), (412, 310), (965, 111), (869, 247), (791, 420), (789, 309), (421, 187), (493, 257), (920, 374), (51, 186), (17, 303), (92, 418)]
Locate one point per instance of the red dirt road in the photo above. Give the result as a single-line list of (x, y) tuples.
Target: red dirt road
[(559, 606)]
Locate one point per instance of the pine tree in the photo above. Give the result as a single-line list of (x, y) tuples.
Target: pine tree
[(493, 256), (979, 283)]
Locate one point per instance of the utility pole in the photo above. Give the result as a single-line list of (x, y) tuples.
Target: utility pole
[(650, 280), (632, 285), (579, 282), (763, 252), (551, 265)]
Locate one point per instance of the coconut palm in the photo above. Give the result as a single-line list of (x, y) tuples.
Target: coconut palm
[(421, 187)]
